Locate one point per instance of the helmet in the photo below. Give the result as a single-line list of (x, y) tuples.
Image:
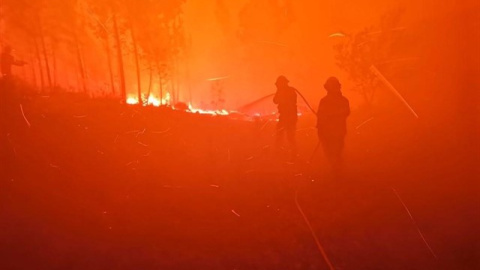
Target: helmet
[(281, 80), (332, 83)]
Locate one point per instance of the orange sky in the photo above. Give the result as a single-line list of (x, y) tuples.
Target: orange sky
[(303, 51)]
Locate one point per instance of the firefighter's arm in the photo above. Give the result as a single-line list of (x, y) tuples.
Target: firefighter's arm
[(276, 98)]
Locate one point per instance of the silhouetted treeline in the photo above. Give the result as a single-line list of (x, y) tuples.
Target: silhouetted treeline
[(98, 47)]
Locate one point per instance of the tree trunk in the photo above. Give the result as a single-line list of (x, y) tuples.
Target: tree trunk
[(187, 62), (34, 74), (110, 69), (39, 59), (54, 59), (137, 65), (47, 65), (159, 80), (45, 56), (123, 91), (81, 65), (173, 80), (150, 80), (161, 90)]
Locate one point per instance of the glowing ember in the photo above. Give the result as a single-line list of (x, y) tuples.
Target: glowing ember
[(339, 34), (211, 112), (218, 78), (24, 117)]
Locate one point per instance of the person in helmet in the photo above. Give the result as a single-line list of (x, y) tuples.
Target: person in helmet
[(7, 61), (332, 114), (9, 111), (8, 91), (286, 100)]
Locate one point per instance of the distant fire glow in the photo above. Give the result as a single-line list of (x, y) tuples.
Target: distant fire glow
[(152, 100)]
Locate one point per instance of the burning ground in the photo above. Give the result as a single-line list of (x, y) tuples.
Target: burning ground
[(98, 185)]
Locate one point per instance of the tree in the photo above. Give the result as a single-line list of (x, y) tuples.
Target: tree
[(45, 25), (101, 14), (374, 45), (21, 21), (157, 38), (54, 32)]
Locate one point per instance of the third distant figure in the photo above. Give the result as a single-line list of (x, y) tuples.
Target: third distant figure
[(7, 61), (332, 114)]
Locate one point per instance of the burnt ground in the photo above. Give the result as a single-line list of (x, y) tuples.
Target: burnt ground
[(96, 185)]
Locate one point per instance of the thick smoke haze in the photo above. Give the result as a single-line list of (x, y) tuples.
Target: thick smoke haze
[(253, 42), (158, 134), (244, 44)]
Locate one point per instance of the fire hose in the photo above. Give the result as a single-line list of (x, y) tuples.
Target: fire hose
[(306, 102), (315, 113)]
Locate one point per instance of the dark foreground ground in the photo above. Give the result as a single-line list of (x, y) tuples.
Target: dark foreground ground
[(96, 185)]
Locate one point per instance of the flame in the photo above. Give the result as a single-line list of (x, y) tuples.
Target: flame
[(167, 99), (211, 112), (152, 100), (156, 101), (132, 100)]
